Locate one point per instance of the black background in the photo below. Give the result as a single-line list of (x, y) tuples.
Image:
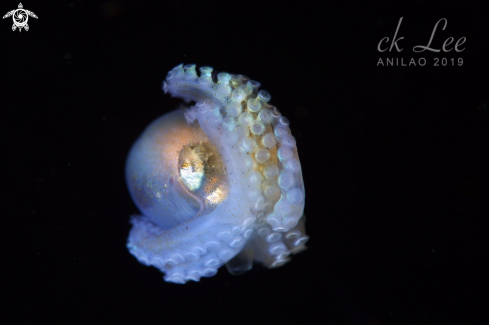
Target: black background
[(395, 160)]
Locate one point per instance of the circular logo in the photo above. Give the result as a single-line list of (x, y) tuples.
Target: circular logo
[(20, 17)]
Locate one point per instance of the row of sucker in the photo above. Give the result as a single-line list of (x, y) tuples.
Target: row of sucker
[(198, 261)]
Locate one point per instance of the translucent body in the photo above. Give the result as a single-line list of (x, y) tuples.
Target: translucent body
[(214, 188)]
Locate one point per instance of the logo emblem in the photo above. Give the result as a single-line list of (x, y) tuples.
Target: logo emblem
[(20, 17)]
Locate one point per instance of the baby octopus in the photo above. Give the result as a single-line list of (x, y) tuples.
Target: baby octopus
[(217, 183)]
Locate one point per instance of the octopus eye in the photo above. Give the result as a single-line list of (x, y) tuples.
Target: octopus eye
[(217, 183), (202, 173)]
